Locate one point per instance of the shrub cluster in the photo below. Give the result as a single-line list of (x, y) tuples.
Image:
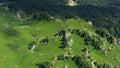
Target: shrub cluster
[(45, 65), (104, 33), (95, 41)]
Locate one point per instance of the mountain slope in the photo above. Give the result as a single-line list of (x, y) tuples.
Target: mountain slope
[(55, 43)]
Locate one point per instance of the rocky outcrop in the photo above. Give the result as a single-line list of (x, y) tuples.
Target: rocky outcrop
[(72, 3)]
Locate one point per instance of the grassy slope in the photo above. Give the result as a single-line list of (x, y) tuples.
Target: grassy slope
[(14, 42)]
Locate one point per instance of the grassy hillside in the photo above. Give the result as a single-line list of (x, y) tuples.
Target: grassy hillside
[(54, 43)]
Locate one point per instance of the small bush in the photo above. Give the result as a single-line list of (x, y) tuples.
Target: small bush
[(82, 62), (111, 39), (45, 65)]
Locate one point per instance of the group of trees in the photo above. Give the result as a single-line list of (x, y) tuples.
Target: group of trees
[(45, 65), (82, 62), (98, 2), (32, 45), (44, 41), (104, 65), (41, 16), (95, 41), (62, 35), (104, 33)]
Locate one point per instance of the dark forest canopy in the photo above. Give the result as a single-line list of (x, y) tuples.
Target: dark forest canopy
[(81, 2)]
